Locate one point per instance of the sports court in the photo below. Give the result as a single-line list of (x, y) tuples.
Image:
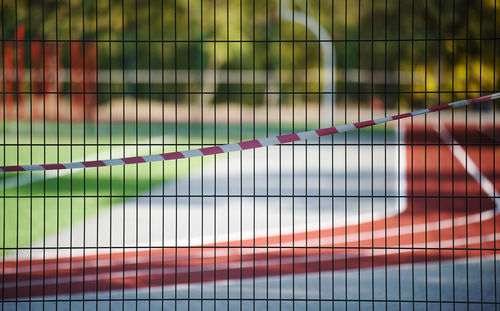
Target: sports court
[(252, 155)]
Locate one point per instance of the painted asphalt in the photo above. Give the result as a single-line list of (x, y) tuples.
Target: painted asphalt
[(446, 221)]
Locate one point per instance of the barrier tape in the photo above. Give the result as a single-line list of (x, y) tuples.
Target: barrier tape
[(245, 145)]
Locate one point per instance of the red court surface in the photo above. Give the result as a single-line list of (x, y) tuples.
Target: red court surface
[(452, 199)]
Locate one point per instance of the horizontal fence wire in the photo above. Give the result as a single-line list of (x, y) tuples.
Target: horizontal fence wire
[(378, 216)]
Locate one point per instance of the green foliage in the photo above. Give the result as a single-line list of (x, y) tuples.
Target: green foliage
[(425, 38)]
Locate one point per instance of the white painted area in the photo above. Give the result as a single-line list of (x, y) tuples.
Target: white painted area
[(261, 176)]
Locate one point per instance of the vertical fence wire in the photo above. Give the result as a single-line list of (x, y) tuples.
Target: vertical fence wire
[(399, 215)]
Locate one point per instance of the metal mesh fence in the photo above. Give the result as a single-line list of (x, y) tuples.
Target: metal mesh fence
[(166, 193)]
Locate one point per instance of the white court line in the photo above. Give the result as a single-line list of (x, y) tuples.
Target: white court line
[(245, 264), (354, 237), (461, 155)]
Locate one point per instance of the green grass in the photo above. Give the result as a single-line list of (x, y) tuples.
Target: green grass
[(46, 205), (37, 204)]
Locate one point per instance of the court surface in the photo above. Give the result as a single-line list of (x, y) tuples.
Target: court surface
[(369, 218)]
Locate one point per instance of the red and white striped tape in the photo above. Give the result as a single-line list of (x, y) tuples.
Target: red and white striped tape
[(245, 145)]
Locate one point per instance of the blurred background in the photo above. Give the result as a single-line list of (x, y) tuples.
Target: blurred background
[(84, 80), (75, 56)]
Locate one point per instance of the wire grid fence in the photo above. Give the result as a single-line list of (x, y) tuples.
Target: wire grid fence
[(396, 216)]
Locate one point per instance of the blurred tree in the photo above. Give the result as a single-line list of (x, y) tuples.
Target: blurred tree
[(446, 45)]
